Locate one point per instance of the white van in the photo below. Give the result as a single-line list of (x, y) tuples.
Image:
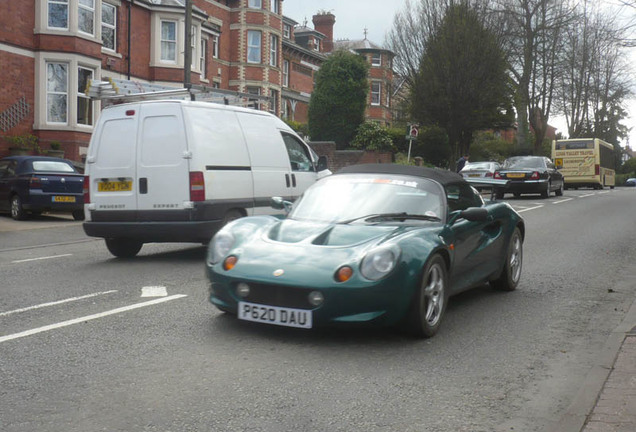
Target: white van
[(177, 171)]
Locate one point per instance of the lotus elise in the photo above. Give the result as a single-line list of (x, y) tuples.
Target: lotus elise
[(375, 244)]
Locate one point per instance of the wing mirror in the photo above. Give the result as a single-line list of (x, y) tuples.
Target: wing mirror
[(472, 214), (279, 203), (322, 163)]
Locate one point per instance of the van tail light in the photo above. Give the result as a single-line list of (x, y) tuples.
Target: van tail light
[(86, 190), (497, 175), (597, 169), (35, 183), (535, 175), (197, 186)]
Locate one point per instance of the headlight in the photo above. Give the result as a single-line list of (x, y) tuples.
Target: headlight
[(220, 246), (379, 262)]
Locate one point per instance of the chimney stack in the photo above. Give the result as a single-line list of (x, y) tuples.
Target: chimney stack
[(324, 24)]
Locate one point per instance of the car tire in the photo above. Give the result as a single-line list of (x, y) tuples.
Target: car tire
[(511, 273), (429, 303), (17, 211), (559, 191), (123, 248), (546, 192), (78, 215)]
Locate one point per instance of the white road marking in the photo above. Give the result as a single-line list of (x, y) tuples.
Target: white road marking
[(562, 201), (586, 195), (604, 192), (88, 318), (154, 291), (529, 208), (68, 300), (41, 258)]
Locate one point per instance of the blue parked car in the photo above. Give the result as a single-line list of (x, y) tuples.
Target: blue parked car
[(35, 184)]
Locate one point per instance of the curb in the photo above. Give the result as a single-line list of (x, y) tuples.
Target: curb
[(585, 400)]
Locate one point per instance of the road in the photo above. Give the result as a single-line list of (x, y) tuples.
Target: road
[(93, 343)]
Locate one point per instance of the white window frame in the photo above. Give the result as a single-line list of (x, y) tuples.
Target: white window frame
[(257, 92), (253, 49), (316, 44), (273, 50), (49, 93), (215, 46), (285, 73), (376, 94), (376, 59), (49, 3), (193, 46), (203, 57), (82, 96), (91, 10), (110, 26), (255, 4), (171, 42), (274, 6), (287, 31)]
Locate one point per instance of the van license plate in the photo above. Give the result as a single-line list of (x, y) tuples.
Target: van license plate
[(114, 186), (58, 198), (287, 317)]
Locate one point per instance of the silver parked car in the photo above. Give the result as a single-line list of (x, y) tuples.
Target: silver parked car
[(479, 169)]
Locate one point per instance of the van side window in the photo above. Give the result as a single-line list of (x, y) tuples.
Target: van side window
[(298, 154)]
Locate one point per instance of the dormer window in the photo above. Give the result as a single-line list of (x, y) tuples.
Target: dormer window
[(376, 59), (316, 44), (286, 31)]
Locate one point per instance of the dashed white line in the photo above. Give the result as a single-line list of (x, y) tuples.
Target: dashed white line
[(529, 208), (563, 200), (88, 318), (41, 258), (58, 302), (586, 195)]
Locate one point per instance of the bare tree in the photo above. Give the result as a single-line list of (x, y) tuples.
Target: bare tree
[(533, 32)]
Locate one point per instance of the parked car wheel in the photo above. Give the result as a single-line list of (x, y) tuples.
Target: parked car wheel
[(123, 248), (559, 191), (546, 192), (511, 273), (78, 215), (430, 300), (17, 211)]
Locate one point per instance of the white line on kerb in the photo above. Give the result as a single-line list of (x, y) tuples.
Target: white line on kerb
[(88, 318), (41, 258), (68, 300), (529, 208), (563, 200)]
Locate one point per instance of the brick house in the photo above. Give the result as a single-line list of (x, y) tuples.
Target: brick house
[(51, 49)]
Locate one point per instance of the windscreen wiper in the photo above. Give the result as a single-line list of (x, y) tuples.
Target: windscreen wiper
[(391, 216)]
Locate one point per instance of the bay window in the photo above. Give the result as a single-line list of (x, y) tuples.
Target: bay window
[(169, 41), (253, 46), (109, 26), (58, 14), (86, 16), (56, 92)]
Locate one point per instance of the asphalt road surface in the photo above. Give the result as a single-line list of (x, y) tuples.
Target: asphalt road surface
[(92, 343)]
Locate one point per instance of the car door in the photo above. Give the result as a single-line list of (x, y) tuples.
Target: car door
[(4, 184), (475, 243), (556, 178)]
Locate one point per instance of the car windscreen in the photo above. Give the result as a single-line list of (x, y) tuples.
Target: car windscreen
[(351, 196), (524, 162), (52, 166)]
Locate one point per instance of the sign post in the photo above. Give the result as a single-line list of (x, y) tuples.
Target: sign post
[(412, 135)]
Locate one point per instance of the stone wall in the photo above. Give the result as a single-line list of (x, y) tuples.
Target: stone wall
[(338, 159)]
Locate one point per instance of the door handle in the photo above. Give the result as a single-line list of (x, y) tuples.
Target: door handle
[(287, 179), (143, 185), (294, 180)]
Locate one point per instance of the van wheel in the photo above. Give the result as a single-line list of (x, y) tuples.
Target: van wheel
[(123, 248), (231, 215)]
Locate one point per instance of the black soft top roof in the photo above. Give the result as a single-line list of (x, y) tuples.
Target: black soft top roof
[(444, 177)]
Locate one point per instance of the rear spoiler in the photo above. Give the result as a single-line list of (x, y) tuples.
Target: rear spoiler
[(488, 183)]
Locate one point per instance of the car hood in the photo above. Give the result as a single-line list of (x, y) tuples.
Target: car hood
[(327, 234)]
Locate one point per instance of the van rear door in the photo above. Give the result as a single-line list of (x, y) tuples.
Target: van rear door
[(111, 163), (163, 182)]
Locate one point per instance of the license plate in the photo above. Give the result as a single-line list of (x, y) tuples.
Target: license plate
[(58, 198), (515, 175), (474, 175), (114, 186), (281, 316)]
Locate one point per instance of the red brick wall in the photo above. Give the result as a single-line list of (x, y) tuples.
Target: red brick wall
[(338, 159), (18, 74), (17, 22)]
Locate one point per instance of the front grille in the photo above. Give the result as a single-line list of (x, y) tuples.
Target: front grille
[(276, 295)]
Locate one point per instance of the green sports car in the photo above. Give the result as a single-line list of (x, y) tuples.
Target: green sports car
[(376, 244)]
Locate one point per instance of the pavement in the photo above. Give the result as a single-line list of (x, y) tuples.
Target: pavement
[(605, 402)]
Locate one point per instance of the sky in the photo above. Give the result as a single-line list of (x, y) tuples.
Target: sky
[(353, 16)]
